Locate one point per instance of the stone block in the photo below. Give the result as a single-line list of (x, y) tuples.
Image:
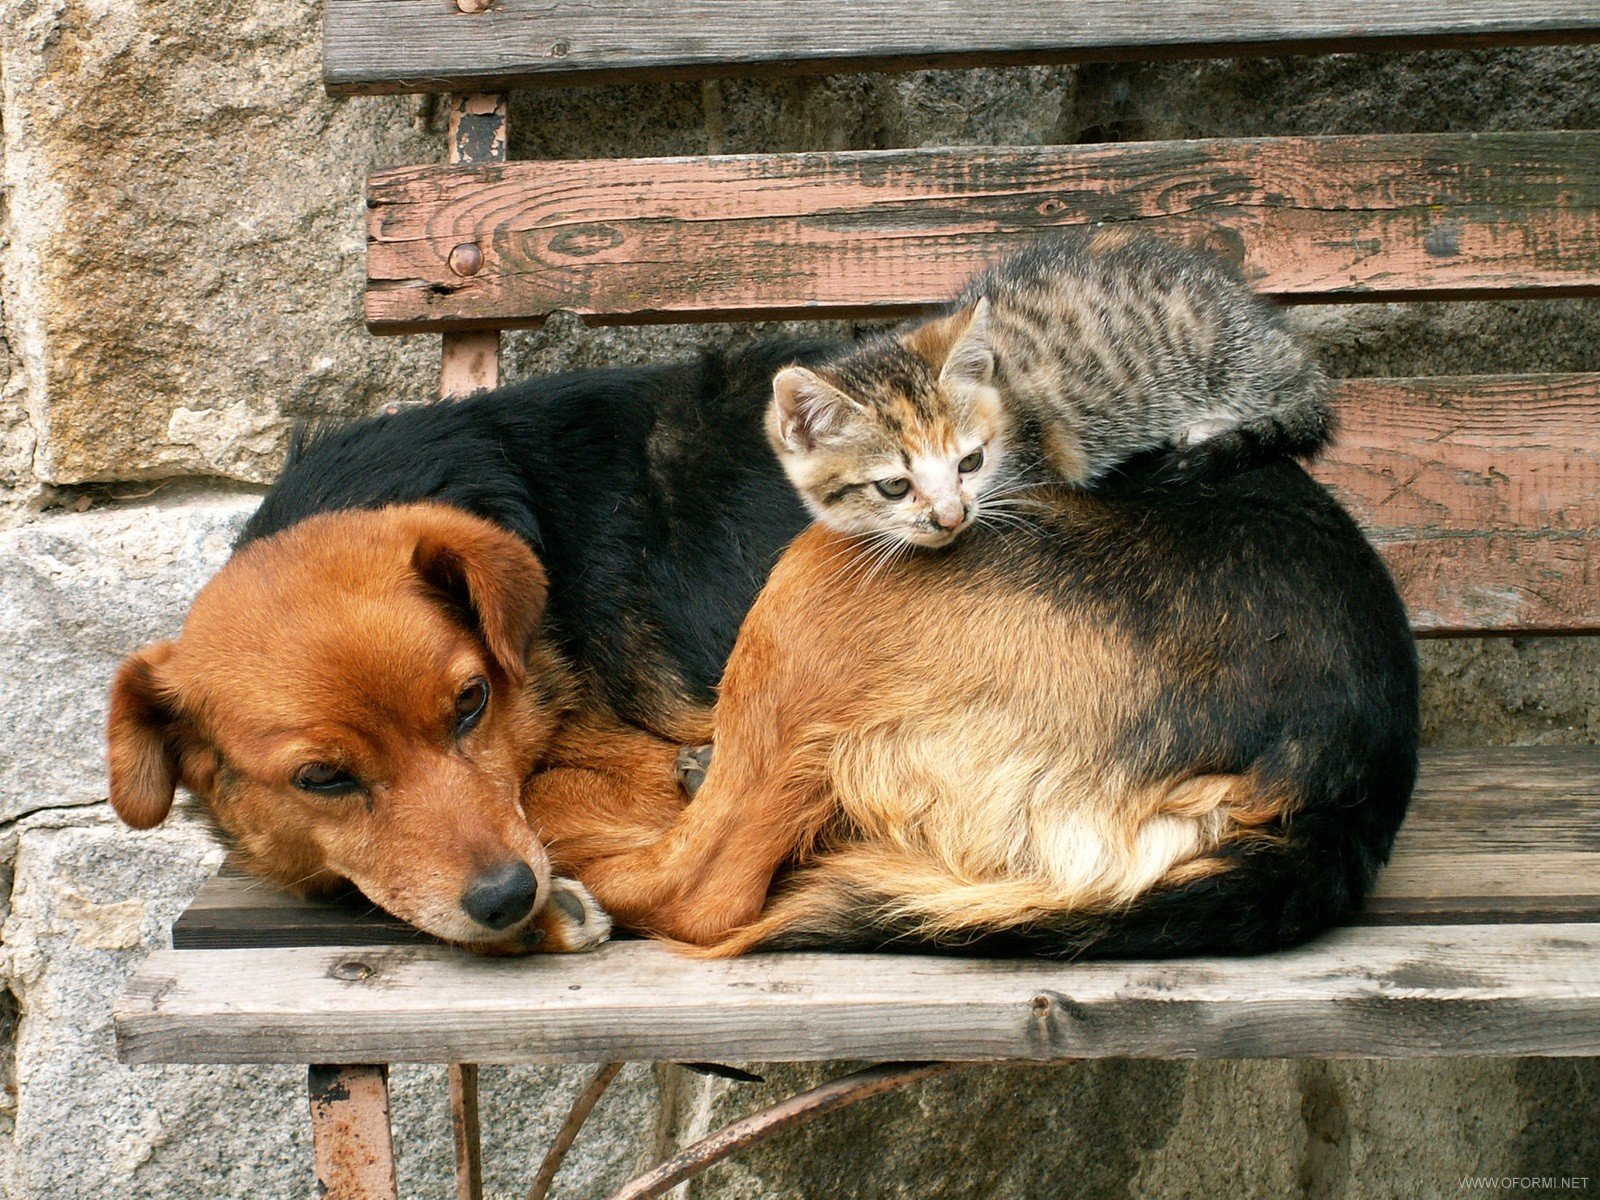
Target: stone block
[(79, 591), (1160, 1130), (185, 229)]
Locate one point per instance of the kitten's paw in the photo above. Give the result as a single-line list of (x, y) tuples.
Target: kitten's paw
[(691, 767), (572, 920)]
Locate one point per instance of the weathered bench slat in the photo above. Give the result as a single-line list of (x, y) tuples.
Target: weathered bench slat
[(429, 45), (882, 233), (1483, 494), (237, 911), (1372, 993), (1509, 834)]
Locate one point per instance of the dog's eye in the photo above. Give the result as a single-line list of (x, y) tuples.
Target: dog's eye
[(470, 703), (971, 462), (324, 779), (893, 488)]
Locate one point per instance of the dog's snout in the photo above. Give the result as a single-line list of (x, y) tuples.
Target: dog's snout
[(501, 895)]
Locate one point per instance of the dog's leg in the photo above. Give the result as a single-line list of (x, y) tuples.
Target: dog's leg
[(691, 874), (712, 873), (603, 788), (764, 799), (767, 793), (705, 870)]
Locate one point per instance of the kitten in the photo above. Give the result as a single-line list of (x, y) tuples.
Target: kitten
[(1058, 364)]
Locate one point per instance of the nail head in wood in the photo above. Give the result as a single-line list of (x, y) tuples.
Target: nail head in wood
[(466, 259)]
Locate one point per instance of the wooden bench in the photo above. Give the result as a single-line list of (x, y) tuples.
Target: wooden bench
[(1483, 493)]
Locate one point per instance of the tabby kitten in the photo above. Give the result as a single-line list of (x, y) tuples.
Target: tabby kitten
[(1063, 361)]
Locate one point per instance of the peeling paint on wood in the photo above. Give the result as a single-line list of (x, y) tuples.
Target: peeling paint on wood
[(885, 233), (1482, 493), (476, 134), (465, 1129)]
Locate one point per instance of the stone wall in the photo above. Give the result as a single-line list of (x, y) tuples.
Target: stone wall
[(180, 244)]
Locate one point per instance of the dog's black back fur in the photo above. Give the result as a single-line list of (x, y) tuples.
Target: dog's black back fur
[(649, 493)]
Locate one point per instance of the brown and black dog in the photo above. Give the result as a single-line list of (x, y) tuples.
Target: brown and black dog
[(1159, 720)]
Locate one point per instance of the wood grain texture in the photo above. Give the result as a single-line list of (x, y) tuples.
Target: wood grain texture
[(1368, 993), (429, 45), (884, 233), (1483, 494), (1502, 835), (231, 911)]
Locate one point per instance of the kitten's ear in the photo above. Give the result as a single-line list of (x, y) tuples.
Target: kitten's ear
[(805, 408), (970, 359)]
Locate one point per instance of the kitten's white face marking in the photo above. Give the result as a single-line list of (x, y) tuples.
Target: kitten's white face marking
[(939, 499)]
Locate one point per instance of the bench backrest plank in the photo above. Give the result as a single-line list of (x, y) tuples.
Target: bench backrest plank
[(883, 233), (430, 45), (1482, 493)]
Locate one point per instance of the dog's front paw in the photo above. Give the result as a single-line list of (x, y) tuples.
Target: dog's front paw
[(572, 919)]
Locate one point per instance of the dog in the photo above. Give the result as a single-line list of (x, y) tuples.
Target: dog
[(1154, 721), (430, 606)]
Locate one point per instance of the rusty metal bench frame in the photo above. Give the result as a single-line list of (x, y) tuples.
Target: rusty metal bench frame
[(1494, 878)]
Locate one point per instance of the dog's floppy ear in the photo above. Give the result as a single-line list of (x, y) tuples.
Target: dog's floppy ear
[(141, 751), (492, 580)]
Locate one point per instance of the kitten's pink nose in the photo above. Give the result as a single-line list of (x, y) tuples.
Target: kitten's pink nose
[(948, 514)]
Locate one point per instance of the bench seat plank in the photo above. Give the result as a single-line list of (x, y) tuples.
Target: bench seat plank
[(1499, 835), (884, 233), (1370, 993), (376, 46)]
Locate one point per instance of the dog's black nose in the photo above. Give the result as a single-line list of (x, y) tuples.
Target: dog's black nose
[(502, 895)]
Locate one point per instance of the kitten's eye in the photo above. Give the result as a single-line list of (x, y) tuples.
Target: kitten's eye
[(470, 703), (894, 488), (324, 779), (971, 462)]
